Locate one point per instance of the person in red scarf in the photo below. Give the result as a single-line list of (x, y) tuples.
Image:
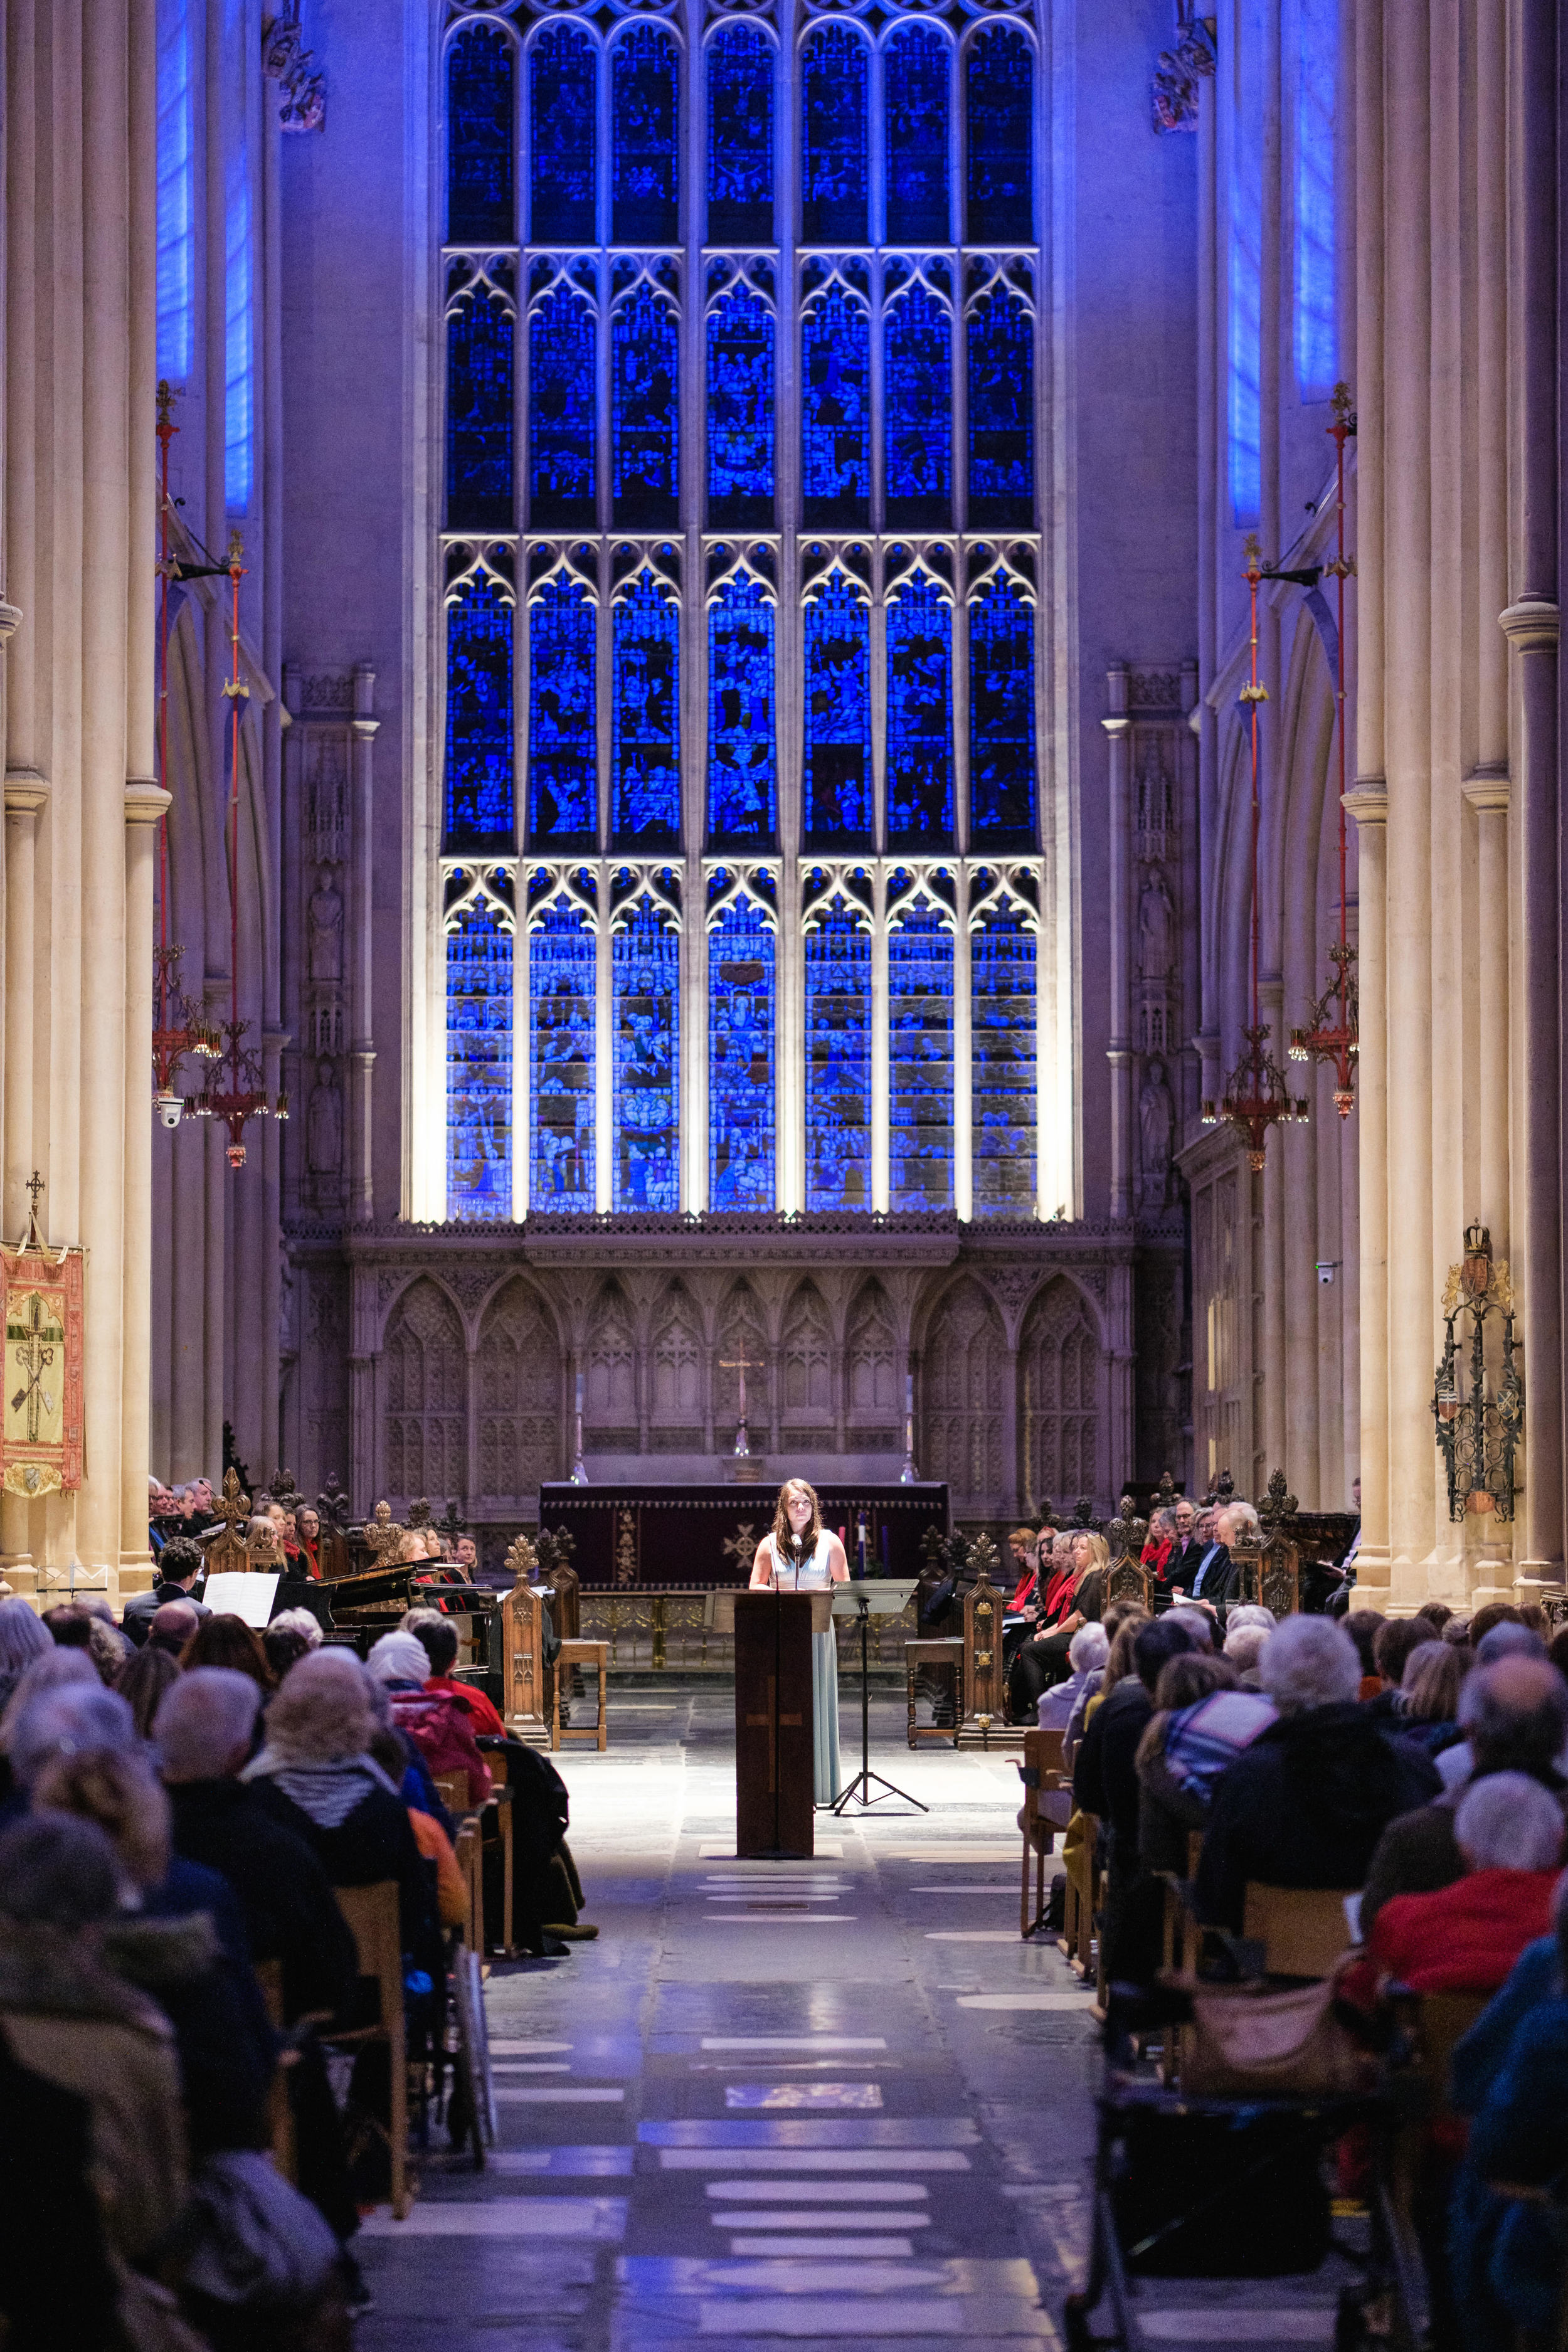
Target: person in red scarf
[(308, 1536), (1072, 1594), (1021, 1612)]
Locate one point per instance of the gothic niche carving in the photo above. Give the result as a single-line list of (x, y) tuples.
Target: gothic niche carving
[(610, 1385), (675, 1406), (518, 1399), (741, 1332), (1158, 852), (876, 1396), (324, 1123), (1058, 1372), (965, 1366), (321, 973), (807, 1367), (426, 1385)]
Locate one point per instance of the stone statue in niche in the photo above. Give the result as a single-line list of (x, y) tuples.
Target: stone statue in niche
[(326, 933), (1156, 927), (1156, 1128), (324, 1124)]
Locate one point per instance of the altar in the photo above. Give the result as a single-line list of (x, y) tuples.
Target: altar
[(676, 1539)]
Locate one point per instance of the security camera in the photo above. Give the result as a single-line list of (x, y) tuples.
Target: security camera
[(1326, 1270), (171, 1108)]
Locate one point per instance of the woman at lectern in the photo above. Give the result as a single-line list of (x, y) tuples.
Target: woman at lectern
[(803, 1556)]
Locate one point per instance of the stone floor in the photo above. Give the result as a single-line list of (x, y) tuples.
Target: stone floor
[(798, 2101)]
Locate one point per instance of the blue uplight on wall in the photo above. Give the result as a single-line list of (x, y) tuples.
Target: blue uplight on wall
[(741, 61), (917, 408), (645, 193), (836, 447), (645, 728), (481, 132), (479, 1069), (644, 409), (917, 63), (743, 788), (562, 351), (239, 261), (563, 757), (837, 761), (1002, 961), (176, 198), (741, 1102), (1317, 335), (741, 396), (833, 180), (480, 798), (646, 975), (919, 1022), (479, 412), (1001, 411), (838, 1062), (1243, 273), (1001, 719), (919, 705), (999, 84), (563, 82), (560, 986)]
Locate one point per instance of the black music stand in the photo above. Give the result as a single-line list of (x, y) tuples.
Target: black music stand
[(892, 1597)]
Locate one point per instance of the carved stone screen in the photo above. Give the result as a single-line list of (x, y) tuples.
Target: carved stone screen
[(742, 870)]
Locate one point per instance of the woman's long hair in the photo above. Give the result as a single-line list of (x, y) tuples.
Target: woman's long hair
[(788, 1545), (1099, 1554)]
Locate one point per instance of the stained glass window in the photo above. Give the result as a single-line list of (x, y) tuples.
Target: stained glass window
[(917, 407), (176, 186), (563, 406), (1002, 965), (645, 197), (742, 790), (915, 113), (740, 1059), (479, 414), (644, 415), (1244, 325), (479, 712), (562, 763), (1001, 411), (479, 101), (919, 988), (740, 137), (645, 749), (479, 1067), (919, 714), (837, 734), (833, 138), (999, 77), (1317, 271), (646, 963), (561, 980), (836, 453), (838, 1062), (1002, 718), (740, 411), (562, 114), (239, 259)]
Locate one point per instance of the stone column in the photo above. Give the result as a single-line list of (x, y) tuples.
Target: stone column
[(362, 968), (145, 802), (1368, 804), (25, 793), (1119, 1051)]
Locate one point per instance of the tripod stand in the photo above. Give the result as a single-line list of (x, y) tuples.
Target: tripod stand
[(860, 1786)]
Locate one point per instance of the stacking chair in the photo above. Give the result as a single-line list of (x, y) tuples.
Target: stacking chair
[(373, 1917), (280, 2108), (1040, 1774), (1302, 1929)]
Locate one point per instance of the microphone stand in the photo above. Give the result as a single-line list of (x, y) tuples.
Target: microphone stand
[(860, 1786)]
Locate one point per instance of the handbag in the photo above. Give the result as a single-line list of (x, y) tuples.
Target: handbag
[(1254, 2041)]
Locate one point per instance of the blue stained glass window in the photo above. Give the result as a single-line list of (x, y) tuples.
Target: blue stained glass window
[(837, 1064), (645, 193), (479, 712), (1001, 411), (742, 792), (563, 760), (645, 754), (644, 409), (919, 714), (563, 407), (919, 1022), (741, 1113), (917, 380), (837, 747), (915, 83), (560, 974), (1002, 969), (740, 137), (1317, 271), (740, 410), (176, 202), (1245, 273), (1000, 88), (646, 961), (562, 79), (479, 1067), (480, 69), (239, 338), (478, 416), (836, 455), (1002, 718), (833, 138)]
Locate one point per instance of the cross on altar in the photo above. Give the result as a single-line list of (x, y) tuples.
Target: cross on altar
[(741, 1364), (34, 1185)]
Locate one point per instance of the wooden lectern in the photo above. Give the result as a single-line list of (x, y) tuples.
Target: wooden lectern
[(774, 1778)]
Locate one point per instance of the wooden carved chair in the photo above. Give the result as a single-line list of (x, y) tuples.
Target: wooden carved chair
[(372, 1915), (1041, 1775)]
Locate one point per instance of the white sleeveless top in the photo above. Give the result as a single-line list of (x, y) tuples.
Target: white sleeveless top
[(812, 1575)]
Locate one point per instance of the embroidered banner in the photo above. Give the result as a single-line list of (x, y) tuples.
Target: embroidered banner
[(41, 1422)]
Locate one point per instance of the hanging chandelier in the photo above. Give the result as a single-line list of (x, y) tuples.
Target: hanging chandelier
[(178, 1030), (1332, 1029), (1256, 1096), (241, 1096)]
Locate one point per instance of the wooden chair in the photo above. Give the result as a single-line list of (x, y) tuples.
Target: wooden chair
[(580, 1654), (1041, 1775), (934, 1653), (1302, 1929), (452, 1788), (282, 2146), (373, 1917), (1083, 1894)]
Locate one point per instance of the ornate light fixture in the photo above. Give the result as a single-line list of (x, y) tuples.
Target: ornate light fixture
[(241, 1095), (1256, 1096), (1332, 1030), (1477, 1435), (177, 1029)]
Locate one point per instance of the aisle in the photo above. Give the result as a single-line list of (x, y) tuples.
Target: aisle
[(798, 2101)]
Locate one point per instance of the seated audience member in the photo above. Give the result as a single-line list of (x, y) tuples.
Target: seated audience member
[(174, 1623), (292, 1632), (1246, 1630), (1087, 1653), (1198, 1621), (180, 1564), (437, 1637), (1074, 1597), (21, 1639), (308, 1536), (230, 1642), (1496, 1613), (69, 1627), (1305, 1803), (1105, 1778), (1437, 1613), (439, 1726), (57, 2285), (1217, 1577), (1516, 1715), (1395, 1642), (1205, 1720), (142, 1683), (1158, 1546), (1434, 1678), (1362, 1625)]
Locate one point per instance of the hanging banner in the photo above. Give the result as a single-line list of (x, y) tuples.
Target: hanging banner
[(41, 1421)]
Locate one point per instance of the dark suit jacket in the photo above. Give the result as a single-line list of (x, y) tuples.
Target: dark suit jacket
[(136, 1618), (1220, 1576)]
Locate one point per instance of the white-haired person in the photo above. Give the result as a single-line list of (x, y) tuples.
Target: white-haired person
[(437, 1727), (1087, 1653), (1307, 1801), (1247, 1627)]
